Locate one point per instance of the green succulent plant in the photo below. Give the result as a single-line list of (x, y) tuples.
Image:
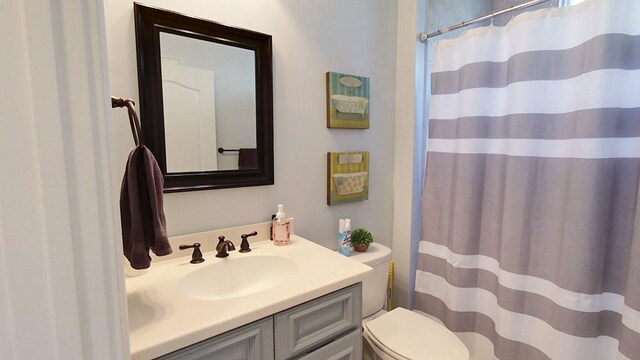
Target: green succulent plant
[(361, 236)]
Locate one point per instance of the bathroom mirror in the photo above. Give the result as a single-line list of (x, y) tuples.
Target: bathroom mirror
[(206, 102)]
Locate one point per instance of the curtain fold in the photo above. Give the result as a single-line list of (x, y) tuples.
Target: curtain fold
[(531, 231)]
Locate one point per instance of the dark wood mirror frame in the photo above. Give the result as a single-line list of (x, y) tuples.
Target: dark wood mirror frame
[(149, 22)]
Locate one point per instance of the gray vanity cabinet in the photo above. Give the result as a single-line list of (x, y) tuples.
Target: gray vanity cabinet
[(326, 328)]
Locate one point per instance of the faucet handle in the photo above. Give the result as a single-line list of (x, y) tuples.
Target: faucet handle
[(244, 246), (196, 256)]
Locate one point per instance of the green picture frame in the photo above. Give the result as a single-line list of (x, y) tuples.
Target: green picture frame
[(347, 101)]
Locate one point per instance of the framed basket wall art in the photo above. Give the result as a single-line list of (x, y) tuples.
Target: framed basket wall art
[(347, 177), (347, 101)]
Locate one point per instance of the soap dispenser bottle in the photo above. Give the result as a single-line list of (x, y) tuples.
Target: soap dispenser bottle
[(281, 228)]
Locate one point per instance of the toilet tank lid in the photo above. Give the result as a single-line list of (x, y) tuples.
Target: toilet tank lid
[(376, 254)]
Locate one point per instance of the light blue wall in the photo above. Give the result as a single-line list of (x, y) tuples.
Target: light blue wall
[(502, 20), (444, 13)]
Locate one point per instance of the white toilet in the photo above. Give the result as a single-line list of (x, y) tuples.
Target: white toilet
[(399, 334)]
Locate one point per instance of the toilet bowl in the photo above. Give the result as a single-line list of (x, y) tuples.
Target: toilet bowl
[(399, 334)]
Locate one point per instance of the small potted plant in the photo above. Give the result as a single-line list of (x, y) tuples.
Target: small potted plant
[(360, 239)]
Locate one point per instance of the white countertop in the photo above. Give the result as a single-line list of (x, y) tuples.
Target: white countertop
[(162, 319)]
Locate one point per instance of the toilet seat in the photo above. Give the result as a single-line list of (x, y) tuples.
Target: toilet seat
[(382, 352), (404, 335)]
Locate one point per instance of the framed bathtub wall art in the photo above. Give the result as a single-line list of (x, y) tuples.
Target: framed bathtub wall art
[(347, 101), (347, 177)]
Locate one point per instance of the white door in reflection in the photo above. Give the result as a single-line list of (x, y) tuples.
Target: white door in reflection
[(189, 117)]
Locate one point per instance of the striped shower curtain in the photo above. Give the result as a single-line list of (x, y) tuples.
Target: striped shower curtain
[(530, 244)]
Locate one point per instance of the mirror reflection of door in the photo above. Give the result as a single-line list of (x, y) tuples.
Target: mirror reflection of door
[(190, 118), (199, 120)]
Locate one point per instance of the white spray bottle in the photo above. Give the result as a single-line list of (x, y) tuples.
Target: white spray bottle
[(344, 237)]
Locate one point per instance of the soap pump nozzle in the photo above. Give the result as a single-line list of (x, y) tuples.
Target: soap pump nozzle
[(280, 214)]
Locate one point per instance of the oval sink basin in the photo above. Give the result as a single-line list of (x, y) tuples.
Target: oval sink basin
[(237, 277)]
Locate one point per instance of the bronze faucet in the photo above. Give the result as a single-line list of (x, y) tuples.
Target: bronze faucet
[(224, 246)]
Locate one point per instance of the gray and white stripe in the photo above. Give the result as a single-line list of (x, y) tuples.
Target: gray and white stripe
[(581, 124), (623, 53)]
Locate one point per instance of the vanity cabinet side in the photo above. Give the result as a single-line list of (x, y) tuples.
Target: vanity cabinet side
[(250, 342)]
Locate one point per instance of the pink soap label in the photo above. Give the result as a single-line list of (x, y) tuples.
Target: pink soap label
[(281, 233)]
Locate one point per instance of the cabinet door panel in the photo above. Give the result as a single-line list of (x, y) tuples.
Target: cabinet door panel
[(310, 325), (348, 347), (250, 342)]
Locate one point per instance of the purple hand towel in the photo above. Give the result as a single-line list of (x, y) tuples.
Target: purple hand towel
[(141, 209), (248, 158)]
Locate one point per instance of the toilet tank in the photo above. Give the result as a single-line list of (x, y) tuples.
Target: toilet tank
[(374, 287)]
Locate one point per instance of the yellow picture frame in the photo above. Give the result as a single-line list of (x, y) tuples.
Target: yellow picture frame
[(347, 177)]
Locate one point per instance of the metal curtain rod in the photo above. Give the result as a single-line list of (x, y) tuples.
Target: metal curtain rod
[(424, 36)]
